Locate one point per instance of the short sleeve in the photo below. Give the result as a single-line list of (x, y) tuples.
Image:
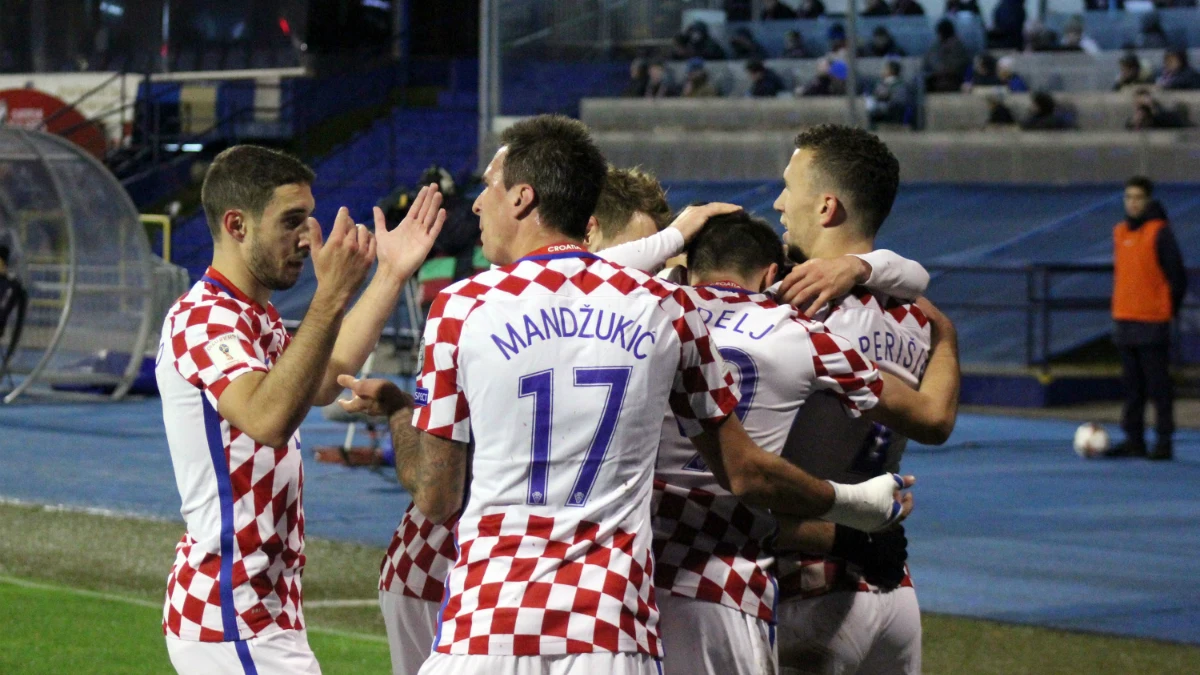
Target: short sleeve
[(212, 344), (441, 404), (842, 371), (703, 391)]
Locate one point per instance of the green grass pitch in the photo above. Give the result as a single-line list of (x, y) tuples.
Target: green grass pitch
[(82, 593)]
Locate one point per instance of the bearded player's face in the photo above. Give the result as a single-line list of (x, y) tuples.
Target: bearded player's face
[(277, 244), (497, 227), (797, 205)]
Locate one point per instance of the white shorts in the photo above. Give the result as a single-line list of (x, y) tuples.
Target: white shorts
[(411, 624), (845, 633), (284, 652), (704, 637), (561, 664)]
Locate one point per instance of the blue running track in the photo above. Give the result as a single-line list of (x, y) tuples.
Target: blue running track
[(1010, 524)]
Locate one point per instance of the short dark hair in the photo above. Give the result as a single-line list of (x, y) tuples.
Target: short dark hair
[(1141, 182), (893, 66), (859, 166), (245, 177), (626, 192), (735, 242), (755, 66), (5, 252), (557, 156)]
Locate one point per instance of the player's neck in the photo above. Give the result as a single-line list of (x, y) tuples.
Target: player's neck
[(836, 247), (232, 268), (536, 240), (725, 278)]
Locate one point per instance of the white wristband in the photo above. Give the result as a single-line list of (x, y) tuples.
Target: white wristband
[(868, 506)]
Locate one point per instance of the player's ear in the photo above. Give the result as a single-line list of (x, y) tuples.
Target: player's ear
[(830, 211), (234, 224), (523, 199), (593, 233), (769, 277)]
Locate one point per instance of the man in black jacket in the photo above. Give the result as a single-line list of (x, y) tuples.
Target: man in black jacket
[(1149, 283)]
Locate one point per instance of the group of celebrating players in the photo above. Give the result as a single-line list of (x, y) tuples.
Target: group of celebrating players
[(615, 466)]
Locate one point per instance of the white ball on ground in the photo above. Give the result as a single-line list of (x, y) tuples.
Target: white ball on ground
[(1091, 440)]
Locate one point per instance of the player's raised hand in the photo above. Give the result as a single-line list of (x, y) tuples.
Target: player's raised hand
[(690, 220), (817, 282), (373, 397), (341, 263), (402, 250)]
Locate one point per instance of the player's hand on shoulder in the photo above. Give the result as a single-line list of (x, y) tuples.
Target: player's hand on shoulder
[(815, 283), (402, 250), (691, 219), (373, 397), (341, 263), (943, 328)]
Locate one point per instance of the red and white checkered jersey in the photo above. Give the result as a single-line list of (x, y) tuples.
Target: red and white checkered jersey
[(897, 336), (559, 367), (708, 544), (237, 569), (419, 558)]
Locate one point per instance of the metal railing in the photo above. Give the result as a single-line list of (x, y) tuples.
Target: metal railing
[(1051, 291)]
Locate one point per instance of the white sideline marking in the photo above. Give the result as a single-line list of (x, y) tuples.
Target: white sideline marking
[(139, 602)]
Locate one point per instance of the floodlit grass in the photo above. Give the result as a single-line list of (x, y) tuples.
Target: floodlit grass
[(82, 593)]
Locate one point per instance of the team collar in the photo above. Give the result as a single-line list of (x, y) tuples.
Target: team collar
[(215, 278), (561, 250), (728, 286)]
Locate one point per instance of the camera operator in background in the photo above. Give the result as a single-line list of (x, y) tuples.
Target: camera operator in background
[(460, 234)]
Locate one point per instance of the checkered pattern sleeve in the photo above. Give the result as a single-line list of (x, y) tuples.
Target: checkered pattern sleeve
[(441, 403), (703, 389), (212, 344), (842, 370)]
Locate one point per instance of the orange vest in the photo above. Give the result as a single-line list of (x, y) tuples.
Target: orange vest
[(1140, 288)]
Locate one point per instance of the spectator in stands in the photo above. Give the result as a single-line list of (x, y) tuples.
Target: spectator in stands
[(660, 84), (1006, 71), (1150, 114), (681, 49), (882, 44), (1132, 72), (890, 102), (836, 37), (1103, 5), (1045, 116), (744, 45), (793, 46), (1008, 25), (702, 44), (639, 78), (1152, 36), (739, 10), (773, 9), (1149, 283), (764, 82), (1000, 116), (810, 9), (1075, 40), (698, 83), (825, 82), (1176, 73), (877, 8), (908, 8), (983, 73), (947, 61), (1039, 38), (957, 6)]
